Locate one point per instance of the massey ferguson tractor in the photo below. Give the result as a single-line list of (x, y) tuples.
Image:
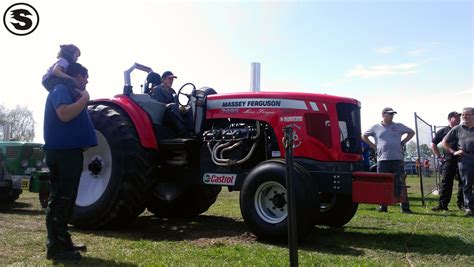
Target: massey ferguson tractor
[(237, 143)]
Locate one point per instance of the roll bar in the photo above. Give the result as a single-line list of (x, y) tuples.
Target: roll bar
[(127, 89)]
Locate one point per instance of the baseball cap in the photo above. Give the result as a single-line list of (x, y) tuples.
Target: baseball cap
[(168, 73), (389, 111), (453, 114)]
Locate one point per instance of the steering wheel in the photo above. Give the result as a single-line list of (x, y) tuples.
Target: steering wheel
[(183, 93)]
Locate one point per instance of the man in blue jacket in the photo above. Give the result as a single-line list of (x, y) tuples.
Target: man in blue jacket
[(68, 131)]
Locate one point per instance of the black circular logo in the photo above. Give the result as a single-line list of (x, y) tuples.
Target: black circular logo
[(21, 19)]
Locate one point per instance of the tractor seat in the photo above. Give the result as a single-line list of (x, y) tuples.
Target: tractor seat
[(155, 109)]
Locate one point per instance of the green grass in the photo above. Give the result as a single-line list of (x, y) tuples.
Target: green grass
[(221, 238)]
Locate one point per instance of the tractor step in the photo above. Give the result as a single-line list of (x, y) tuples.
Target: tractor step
[(179, 151)]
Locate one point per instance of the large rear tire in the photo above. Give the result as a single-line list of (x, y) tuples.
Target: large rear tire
[(114, 176), (194, 200), (263, 201), (336, 209)]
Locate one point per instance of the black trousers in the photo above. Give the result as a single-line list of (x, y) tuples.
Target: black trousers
[(449, 170), (65, 168)]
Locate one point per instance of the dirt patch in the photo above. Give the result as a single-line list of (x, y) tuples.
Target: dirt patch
[(244, 238)]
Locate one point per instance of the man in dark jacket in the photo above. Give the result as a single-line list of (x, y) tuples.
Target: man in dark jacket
[(449, 167), (180, 120)]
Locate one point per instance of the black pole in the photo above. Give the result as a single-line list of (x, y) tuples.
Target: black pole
[(419, 159), (292, 230)]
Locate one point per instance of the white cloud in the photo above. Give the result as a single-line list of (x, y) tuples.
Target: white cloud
[(383, 70), (417, 51), (385, 50)]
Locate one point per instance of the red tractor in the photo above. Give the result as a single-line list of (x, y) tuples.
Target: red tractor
[(140, 164)]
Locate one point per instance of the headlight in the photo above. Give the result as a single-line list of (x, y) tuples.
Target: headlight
[(39, 163), (24, 163)]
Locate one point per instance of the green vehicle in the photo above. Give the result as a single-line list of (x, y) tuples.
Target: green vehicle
[(22, 167)]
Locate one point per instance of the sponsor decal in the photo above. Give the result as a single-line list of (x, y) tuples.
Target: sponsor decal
[(296, 139), (230, 110), (252, 103), (257, 103), (291, 119), (219, 178), (259, 111)]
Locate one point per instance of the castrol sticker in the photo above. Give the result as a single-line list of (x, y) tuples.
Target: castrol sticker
[(219, 178)]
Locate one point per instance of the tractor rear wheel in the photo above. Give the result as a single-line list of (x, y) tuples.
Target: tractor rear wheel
[(112, 185), (336, 209), (194, 200), (263, 201)]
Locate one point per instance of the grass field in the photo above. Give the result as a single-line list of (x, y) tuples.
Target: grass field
[(220, 238)]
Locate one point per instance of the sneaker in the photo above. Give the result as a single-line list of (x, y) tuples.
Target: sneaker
[(70, 246), (439, 208), (408, 211), (382, 209), (63, 255)]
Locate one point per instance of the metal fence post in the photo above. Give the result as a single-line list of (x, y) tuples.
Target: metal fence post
[(292, 230)]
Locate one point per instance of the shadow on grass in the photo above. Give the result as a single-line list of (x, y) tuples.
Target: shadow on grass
[(335, 240), (174, 229), (91, 261), (22, 208)]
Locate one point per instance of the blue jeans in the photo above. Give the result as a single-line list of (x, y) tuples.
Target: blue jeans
[(466, 169), (397, 167)]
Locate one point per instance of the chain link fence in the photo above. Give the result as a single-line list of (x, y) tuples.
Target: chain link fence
[(427, 165)]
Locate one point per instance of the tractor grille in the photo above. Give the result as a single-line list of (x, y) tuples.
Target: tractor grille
[(37, 153), (13, 152)]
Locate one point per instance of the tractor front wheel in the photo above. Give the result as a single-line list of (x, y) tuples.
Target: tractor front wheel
[(264, 204), (336, 209)]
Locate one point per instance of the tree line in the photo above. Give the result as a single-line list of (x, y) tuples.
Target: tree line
[(21, 123)]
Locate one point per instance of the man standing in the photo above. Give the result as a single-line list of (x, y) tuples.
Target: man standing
[(388, 144), (460, 142), (449, 166), (68, 130)]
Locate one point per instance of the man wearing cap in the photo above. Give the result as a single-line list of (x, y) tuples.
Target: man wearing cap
[(449, 166), (388, 144), (166, 94), (460, 142)]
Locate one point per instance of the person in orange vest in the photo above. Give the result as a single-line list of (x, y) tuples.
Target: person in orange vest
[(426, 164), (417, 164)]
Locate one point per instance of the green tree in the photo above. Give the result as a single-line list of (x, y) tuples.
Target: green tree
[(411, 151), (425, 151), (21, 122)]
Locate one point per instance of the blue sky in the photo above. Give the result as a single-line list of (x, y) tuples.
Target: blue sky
[(415, 56)]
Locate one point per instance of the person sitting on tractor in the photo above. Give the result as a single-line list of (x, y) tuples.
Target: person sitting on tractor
[(179, 119)]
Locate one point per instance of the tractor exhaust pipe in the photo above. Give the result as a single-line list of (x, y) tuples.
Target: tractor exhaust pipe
[(255, 77)]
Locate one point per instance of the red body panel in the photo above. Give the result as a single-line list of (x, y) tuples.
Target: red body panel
[(280, 109), (375, 188), (139, 117)]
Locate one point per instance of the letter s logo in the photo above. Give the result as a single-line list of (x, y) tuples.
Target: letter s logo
[(21, 19), (20, 15)]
